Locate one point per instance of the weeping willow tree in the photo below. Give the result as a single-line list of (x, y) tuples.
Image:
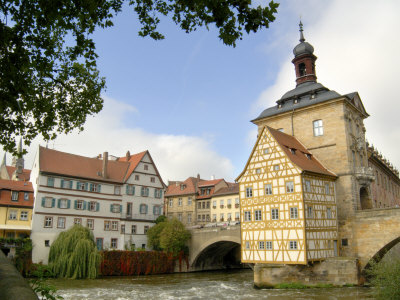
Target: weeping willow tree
[(74, 254)]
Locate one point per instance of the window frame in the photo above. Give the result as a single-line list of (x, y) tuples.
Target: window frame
[(48, 222), (247, 216), (14, 196), (293, 245), (258, 215), (249, 192), (23, 218), (268, 189), (91, 227), (318, 127), (274, 214), (63, 219), (289, 186), (294, 213)]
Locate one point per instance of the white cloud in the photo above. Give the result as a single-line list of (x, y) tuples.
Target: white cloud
[(176, 156), (356, 44)]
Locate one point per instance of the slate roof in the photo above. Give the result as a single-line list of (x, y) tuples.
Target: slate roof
[(299, 157)]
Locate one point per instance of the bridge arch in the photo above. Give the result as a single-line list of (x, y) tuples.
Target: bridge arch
[(381, 253)]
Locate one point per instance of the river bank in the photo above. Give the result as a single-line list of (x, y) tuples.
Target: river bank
[(232, 284)]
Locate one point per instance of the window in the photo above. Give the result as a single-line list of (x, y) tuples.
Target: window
[(289, 187), (308, 186), (122, 228), (66, 184), (156, 210), (309, 211), (198, 217), (152, 179), (276, 167), (229, 203), (221, 203), (114, 225), (208, 204), (137, 177), (143, 208), (189, 201), (199, 205), (247, 216), (318, 128), (130, 189), (47, 243), (345, 242), (293, 151), (115, 208), (258, 171), (146, 167), (145, 191), (249, 192), (229, 216), (133, 229), (275, 214), (214, 204), (327, 189), (308, 156), (117, 190), (189, 218), (183, 186), (12, 215), (268, 189), (204, 204), (328, 213), (23, 216), (214, 218), (14, 196), (293, 245), (90, 223), (48, 222), (26, 196), (257, 215), (237, 202), (266, 151), (247, 245), (145, 229), (221, 216), (180, 202), (107, 225), (171, 202), (48, 202), (61, 222), (268, 245), (81, 186), (114, 243), (157, 193), (50, 181), (261, 245), (77, 221), (79, 204), (302, 69), (180, 217), (237, 216), (63, 203), (93, 206), (294, 213)]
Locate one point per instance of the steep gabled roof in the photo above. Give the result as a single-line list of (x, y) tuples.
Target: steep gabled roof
[(174, 188), (24, 176), (232, 189), (300, 158), (62, 163), (15, 185), (212, 182)]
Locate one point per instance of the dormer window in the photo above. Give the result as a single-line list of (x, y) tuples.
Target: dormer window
[(293, 151), (183, 186), (308, 155), (295, 101), (302, 69), (279, 105)]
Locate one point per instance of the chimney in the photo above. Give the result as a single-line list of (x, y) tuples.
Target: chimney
[(105, 163), (128, 155), (212, 177)]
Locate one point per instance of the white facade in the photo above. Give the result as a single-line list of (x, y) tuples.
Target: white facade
[(119, 213)]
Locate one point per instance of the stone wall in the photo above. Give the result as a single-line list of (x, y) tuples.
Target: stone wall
[(337, 271)]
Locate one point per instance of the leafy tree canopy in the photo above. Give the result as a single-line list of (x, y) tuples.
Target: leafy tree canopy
[(49, 81), (174, 236), (161, 218), (154, 235)]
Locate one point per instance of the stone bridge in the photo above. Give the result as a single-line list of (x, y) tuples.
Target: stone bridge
[(375, 231), (214, 248)]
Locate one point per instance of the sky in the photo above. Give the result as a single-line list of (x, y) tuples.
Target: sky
[(189, 99)]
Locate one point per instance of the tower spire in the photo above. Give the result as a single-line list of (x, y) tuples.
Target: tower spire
[(302, 39), (3, 163)]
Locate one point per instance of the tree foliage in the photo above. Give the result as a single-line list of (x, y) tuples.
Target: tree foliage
[(154, 235), (174, 236), (385, 277), (74, 254), (49, 81), (161, 218)]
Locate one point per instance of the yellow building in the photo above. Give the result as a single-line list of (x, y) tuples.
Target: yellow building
[(225, 204), (287, 203)]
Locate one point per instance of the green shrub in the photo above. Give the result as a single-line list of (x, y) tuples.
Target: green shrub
[(385, 277)]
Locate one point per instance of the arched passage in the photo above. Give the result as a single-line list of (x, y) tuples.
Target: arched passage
[(218, 255)]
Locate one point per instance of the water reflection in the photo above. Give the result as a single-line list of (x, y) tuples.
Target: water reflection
[(204, 285)]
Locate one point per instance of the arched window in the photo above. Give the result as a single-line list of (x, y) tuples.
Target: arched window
[(302, 69)]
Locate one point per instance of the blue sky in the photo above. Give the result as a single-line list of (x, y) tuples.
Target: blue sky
[(189, 99)]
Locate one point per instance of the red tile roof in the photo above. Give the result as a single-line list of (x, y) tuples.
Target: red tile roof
[(25, 176), (174, 187), (299, 157), (16, 185), (62, 163), (133, 160), (213, 182), (230, 190)]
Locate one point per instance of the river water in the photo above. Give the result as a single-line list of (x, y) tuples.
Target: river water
[(202, 285)]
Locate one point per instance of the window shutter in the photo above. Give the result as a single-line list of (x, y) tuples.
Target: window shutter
[(120, 208), (68, 203), (75, 204), (84, 205), (142, 191), (91, 187), (70, 184), (111, 206), (77, 185), (58, 203), (86, 186), (97, 206), (53, 202), (154, 210), (146, 207), (127, 189), (88, 206), (99, 188), (133, 190), (62, 183), (155, 193), (43, 201)]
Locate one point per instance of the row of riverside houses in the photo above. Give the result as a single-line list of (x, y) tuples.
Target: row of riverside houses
[(118, 198)]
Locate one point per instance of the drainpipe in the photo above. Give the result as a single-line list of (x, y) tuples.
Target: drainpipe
[(292, 122)]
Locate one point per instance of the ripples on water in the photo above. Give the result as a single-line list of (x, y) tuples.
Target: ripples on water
[(205, 285)]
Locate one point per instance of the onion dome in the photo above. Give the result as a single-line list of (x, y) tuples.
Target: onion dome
[(303, 47)]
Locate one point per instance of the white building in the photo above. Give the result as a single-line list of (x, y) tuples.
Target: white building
[(117, 198)]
